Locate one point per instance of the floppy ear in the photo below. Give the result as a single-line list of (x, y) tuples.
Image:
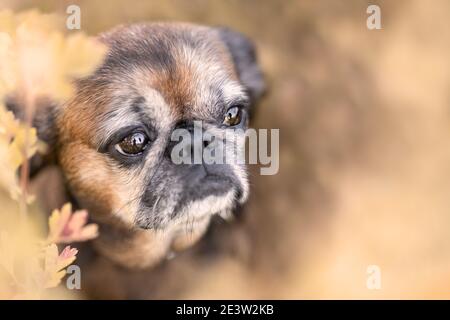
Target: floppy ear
[(243, 53), (45, 123)]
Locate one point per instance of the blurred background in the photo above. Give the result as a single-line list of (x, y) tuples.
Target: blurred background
[(364, 119)]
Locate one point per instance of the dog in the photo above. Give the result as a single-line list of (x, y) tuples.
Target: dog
[(112, 140)]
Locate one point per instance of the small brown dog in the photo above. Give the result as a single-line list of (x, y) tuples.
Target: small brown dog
[(112, 139)]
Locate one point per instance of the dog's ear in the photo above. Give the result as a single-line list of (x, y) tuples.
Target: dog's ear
[(44, 121), (244, 57)]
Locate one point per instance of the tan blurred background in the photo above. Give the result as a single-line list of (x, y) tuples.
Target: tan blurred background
[(364, 119)]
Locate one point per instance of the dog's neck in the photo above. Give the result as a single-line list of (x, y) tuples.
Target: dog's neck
[(137, 248), (131, 248)]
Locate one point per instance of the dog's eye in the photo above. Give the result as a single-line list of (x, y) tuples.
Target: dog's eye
[(133, 144), (233, 116)]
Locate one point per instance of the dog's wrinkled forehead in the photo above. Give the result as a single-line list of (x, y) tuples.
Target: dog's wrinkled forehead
[(166, 73)]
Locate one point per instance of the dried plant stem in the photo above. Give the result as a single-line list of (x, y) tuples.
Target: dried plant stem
[(29, 104), (25, 168)]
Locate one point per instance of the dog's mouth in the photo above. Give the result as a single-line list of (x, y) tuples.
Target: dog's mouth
[(199, 198), (215, 184), (209, 190)]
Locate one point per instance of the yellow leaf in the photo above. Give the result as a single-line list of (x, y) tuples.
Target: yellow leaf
[(58, 221), (67, 227), (89, 55), (8, 124), (23, 146), (54, 264), (38, 56)]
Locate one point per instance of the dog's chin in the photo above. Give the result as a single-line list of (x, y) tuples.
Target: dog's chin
[(206, 207)]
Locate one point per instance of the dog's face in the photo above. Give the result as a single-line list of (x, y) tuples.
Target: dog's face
[(115, 145)]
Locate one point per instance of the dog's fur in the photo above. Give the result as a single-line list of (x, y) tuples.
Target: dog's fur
[(159, 76)]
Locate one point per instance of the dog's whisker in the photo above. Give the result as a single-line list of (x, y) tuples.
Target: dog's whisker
[(154, 205)]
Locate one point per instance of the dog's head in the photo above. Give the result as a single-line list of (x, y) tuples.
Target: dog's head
[(115, 137)]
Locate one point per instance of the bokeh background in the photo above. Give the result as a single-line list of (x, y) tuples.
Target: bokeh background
[(364, 119)]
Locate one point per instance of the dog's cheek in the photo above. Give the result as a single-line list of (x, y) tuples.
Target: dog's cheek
[(94, 182)]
